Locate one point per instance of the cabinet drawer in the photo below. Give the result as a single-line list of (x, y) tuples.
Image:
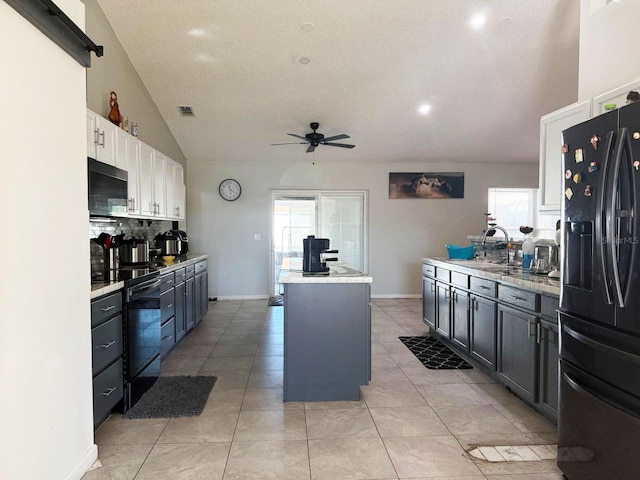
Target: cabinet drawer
[(107, 391), (168, 281), (201, 267), (167, 305), (549, 307), (483, 287), (520, 298), (190, 271), (428, 270), (168, 336), (106, 340), (443, 274), (105, 308), (460, 279), (180, 275)]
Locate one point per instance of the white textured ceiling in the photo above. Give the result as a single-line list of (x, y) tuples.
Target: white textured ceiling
[(373, 63)]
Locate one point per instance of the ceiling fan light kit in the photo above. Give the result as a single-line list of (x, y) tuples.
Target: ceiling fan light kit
[(315, 139)]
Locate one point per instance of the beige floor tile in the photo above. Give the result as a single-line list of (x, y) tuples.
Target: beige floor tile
[(192, 350), (392, 374), (268, 362), (495, 393), (227, 379), (543, 438), (349, 458), (265, 379), (392, 396), (185, 462), (531, 476), (341, 405), (207, 427), (224, 400), (119, 462), (272, 339), (408, 422), (269, 349), (228, 363), (444, 395), (457, 477), (474, 419), (421, 375), (119, 431), (182, 365), (515, 468), (270, 425), (234, 350), (267, 399), (474, 376), (525, 418), (469, 441), (429, 456), (349, 423), (231, 340), (274, 460)]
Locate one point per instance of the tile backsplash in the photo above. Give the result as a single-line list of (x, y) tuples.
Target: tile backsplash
[(131, 227)]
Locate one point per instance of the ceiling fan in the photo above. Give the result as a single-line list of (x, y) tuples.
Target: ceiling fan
[(314, 139)]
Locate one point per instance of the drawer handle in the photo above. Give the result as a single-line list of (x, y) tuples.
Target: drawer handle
[(166, 338), (170, 305), (108, 344), (515, 297), (482, 287), (110, 391), (106, 309)]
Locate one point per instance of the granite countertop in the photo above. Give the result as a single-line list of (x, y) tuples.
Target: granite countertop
[(503, 273), (337, 274), (104, 288)]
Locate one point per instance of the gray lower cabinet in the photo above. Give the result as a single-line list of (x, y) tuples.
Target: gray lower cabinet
[(460, 318), (201, 291), (548, 338), (107, 347), (443, 317), (482, 327), (167, 312), (518, 351), (429, 301), (181, 317), (189, 310)]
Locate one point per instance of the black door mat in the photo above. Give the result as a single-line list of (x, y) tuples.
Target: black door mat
[(172, 397), (277, 301), (434, 354)]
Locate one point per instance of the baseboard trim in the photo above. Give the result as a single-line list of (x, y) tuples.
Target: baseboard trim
[(243, 297), (84, 464), (398, 295)]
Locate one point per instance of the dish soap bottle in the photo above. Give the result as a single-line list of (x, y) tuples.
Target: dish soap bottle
[(528, 248)]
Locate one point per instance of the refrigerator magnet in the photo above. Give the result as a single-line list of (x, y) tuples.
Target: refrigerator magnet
[(565, 148), (636, 164), (568, 193), (636, 135), (593, 167), (579, 157), (587, 190), (577, 178), (594, 141), (568, 174)]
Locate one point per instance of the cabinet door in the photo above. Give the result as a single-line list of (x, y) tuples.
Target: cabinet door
[(201, 296), (483, 331), (133, 171), (460, 318), (443, 317), (518, 352), (170, 190), (122, 150), (189, 310), (617, 96), (180, 191), (429, 301), (159, 193), (106, 146), (180, 317), (551, 175), (147, 202), (549, 365), (92, 135)]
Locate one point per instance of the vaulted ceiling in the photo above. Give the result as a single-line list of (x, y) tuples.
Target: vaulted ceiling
[(255, 70)]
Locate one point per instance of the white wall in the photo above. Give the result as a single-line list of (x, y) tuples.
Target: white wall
[(608, 46), (401, 232), (46, 413)]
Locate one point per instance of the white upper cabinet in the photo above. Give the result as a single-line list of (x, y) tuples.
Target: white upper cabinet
[(159, 184), (101, 139), (133, 170), (617, 97), (174, 176), (551, 177)]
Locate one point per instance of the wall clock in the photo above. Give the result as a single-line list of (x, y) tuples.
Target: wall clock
[(230, 189)]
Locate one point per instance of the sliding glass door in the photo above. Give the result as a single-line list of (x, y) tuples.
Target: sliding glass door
[(339, 216)]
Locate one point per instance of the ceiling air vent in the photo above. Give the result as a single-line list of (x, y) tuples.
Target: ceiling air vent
[(186, 111)]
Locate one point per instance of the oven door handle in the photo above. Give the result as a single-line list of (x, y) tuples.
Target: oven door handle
[(144, 286)]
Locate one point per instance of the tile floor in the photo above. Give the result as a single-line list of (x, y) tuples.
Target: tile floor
[(411, 422)]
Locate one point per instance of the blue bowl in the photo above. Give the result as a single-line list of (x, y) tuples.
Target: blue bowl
[(461, 253)]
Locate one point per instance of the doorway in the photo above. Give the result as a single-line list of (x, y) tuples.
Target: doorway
[(340, 216)]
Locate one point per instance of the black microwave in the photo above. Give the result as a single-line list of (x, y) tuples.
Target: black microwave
[(107, 190)]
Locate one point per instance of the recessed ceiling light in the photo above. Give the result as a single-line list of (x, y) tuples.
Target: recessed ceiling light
[(308, 27), (504, 21), (304, 60), (478, 20), (424, 109)]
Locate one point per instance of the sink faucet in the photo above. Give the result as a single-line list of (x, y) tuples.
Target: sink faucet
[(483, 241)]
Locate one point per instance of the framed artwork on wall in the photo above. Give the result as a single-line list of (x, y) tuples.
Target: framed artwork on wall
[(426, 185)]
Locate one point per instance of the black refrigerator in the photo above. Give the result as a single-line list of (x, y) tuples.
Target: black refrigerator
[(599, 317)]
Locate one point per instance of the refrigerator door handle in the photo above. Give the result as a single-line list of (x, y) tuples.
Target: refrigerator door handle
[(603, 234), (609, 350)]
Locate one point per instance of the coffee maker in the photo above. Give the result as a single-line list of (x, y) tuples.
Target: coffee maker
[(313, 251)]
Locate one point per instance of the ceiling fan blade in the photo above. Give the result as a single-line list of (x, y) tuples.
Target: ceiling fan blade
[(290, 143), (336, 137), (311, 148), (297, 136), (343, 145)]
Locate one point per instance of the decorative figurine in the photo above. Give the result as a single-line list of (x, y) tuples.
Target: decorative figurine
[(114, 115)]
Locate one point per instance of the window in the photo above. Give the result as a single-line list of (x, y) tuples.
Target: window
[(514, 207)]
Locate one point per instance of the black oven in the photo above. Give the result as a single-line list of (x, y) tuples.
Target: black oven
[(142, 339), (108, 193)]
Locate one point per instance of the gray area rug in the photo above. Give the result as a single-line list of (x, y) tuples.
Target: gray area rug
[(172, 397)]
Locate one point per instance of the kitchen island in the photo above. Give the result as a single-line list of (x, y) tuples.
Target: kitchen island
[(327, 334)]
